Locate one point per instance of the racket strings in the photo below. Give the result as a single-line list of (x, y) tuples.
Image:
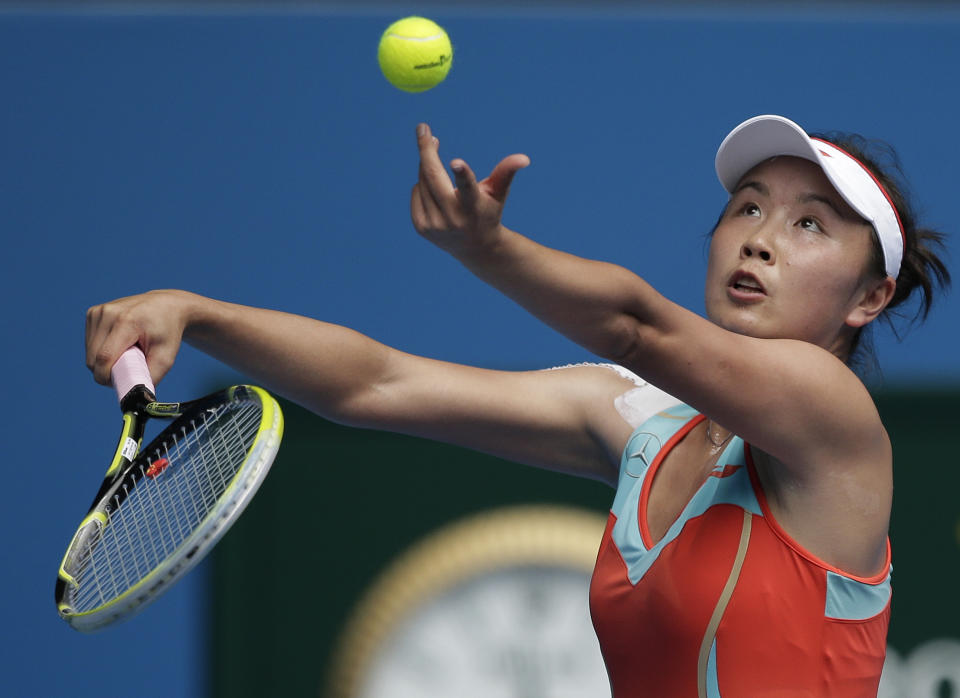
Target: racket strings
[(159, 513)]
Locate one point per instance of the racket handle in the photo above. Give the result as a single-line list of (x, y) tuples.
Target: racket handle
[(129, 372)]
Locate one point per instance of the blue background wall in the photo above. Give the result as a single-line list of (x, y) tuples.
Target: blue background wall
[(259, 156)]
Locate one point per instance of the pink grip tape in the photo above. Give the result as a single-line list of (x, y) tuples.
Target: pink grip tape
[(130, 371)]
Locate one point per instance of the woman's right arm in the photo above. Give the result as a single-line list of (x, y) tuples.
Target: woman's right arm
[(561, 420), (324, 367)]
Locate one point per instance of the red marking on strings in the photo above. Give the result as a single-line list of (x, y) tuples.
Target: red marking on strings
[(157, 467)]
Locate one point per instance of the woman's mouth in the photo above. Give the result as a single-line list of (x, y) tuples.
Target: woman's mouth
[(745, 286)]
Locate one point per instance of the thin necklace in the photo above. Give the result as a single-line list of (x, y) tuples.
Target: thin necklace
[(717, 446)]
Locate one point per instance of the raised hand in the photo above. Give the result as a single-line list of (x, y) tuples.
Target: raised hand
[(462, 218)]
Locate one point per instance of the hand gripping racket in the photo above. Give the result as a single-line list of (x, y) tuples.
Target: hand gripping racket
[(162, 508)]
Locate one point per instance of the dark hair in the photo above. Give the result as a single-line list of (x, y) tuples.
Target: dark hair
[(922, 271)]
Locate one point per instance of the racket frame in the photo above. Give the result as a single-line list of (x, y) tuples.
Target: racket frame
[(138, 406)]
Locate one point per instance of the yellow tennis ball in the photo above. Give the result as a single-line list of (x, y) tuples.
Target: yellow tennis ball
[(415, 54)]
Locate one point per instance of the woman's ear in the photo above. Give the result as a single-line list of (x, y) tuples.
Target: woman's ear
[(875, 295)]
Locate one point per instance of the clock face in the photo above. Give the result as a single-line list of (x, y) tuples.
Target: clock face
[(515, 632), (495, 605)]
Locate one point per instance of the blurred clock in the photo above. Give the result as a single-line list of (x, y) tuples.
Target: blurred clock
[(495, 606)]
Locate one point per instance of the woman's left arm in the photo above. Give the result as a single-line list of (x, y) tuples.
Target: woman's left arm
[(596, 304), (775, 393)]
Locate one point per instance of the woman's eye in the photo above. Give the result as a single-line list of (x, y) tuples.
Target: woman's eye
[(810, 224), (750, 210)]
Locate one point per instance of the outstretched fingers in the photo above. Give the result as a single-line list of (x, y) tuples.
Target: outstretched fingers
[(498, 183), (468, 191), (432, 173), (425, 212), (468, 208)]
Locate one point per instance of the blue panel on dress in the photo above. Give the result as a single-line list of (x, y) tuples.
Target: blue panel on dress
[(639, 454), (848, 599)]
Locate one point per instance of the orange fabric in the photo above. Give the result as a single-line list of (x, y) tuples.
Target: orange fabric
[(774, 638), (650, 634)]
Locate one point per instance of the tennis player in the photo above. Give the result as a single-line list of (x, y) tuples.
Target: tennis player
[(746, 552)]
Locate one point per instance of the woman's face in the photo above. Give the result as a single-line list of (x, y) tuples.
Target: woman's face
[(789, 258)]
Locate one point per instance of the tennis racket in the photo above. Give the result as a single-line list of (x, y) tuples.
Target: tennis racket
[(162, 508)]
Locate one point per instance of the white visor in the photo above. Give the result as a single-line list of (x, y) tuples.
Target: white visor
[(763, 137)]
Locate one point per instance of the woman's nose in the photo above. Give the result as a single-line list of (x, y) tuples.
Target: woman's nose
[(758, 246)]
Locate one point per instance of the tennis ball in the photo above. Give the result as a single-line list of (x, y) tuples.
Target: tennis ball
[(415, 54)]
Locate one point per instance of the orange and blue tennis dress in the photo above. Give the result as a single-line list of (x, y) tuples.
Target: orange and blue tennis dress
[(726, 603)]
